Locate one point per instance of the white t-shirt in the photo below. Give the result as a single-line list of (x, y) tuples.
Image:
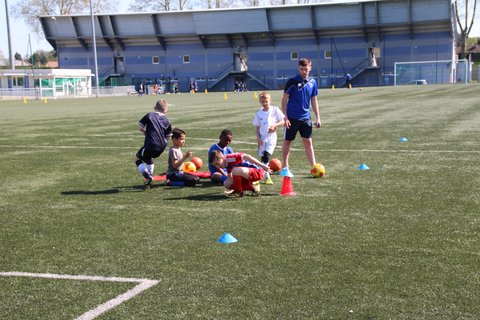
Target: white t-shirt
[(265, 119)]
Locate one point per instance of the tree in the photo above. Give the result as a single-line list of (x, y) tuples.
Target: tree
[(18, 56), (160, 5), (465, 15), (39, 58), (182, 4), (169, 5), (29, 10)]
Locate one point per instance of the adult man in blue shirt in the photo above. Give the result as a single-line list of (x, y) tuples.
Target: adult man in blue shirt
[(299, 93)]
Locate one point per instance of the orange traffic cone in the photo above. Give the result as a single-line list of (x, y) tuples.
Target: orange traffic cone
[(287, 188)]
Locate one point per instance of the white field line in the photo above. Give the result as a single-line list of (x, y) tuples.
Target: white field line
[(397, 151), (26, 147), (92, 314), (143, 284)]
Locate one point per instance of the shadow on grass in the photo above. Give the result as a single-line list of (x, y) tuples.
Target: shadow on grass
[(91, 193), (218, 196), (200, 197), (114, 190), (140, 188), (136, 188)]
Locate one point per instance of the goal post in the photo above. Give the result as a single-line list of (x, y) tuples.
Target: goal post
[(431, 72)]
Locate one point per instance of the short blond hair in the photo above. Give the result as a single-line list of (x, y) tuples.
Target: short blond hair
[(264, 95), (161, 105)]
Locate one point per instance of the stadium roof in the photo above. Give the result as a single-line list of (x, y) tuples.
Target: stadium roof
[(245, 24)]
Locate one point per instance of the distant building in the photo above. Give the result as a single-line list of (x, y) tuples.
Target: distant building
[(45, 83), (474, 55), (259, 46), (3, 61), (474, 52), (22, 63), (52, 64)]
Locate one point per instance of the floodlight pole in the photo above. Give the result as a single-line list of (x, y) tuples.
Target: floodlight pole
[(32, 60), (12, 58), (94, 50)]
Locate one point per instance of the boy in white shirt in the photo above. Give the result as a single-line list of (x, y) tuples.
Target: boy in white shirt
[(266, 121)]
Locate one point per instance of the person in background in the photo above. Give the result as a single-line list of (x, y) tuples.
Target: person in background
[(348, 81)]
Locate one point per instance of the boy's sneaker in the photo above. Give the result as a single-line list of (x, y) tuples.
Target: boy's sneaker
[(148, 183), (256, 188), (286, 172), (268, 181), (232, 193)]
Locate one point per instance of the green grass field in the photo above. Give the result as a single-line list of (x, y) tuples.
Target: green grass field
[(399, 241)]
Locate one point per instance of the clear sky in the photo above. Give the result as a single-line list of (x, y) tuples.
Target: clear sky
[(20, 32)]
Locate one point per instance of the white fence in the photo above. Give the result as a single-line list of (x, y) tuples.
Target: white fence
[(19, 93)]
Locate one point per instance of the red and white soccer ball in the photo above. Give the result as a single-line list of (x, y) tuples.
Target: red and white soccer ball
[(318, 170), (189, 167)]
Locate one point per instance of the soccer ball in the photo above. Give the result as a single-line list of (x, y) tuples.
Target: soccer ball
[(189, 167), (318, 170), (275, 165), (197, 162)]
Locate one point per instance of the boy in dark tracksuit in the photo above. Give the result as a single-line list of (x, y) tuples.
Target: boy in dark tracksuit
[(157, 130)]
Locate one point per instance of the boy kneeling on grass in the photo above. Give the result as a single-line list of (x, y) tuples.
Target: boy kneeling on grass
[(176, 158), (244, 172), (157, 129)]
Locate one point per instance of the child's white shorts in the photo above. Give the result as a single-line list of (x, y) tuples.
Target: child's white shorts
[(268, 144)]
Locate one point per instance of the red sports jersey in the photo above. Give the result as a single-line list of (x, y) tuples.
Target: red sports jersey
[(233, 160)]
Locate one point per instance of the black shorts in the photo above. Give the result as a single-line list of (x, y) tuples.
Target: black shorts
[(302, 126), (147, 155)]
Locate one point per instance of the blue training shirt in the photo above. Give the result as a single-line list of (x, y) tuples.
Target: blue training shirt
[(300, 93)]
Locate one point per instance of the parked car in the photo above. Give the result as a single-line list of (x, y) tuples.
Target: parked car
[(418, 81)]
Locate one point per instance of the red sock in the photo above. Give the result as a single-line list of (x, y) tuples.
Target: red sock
[(237, 183), (247, 184)]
